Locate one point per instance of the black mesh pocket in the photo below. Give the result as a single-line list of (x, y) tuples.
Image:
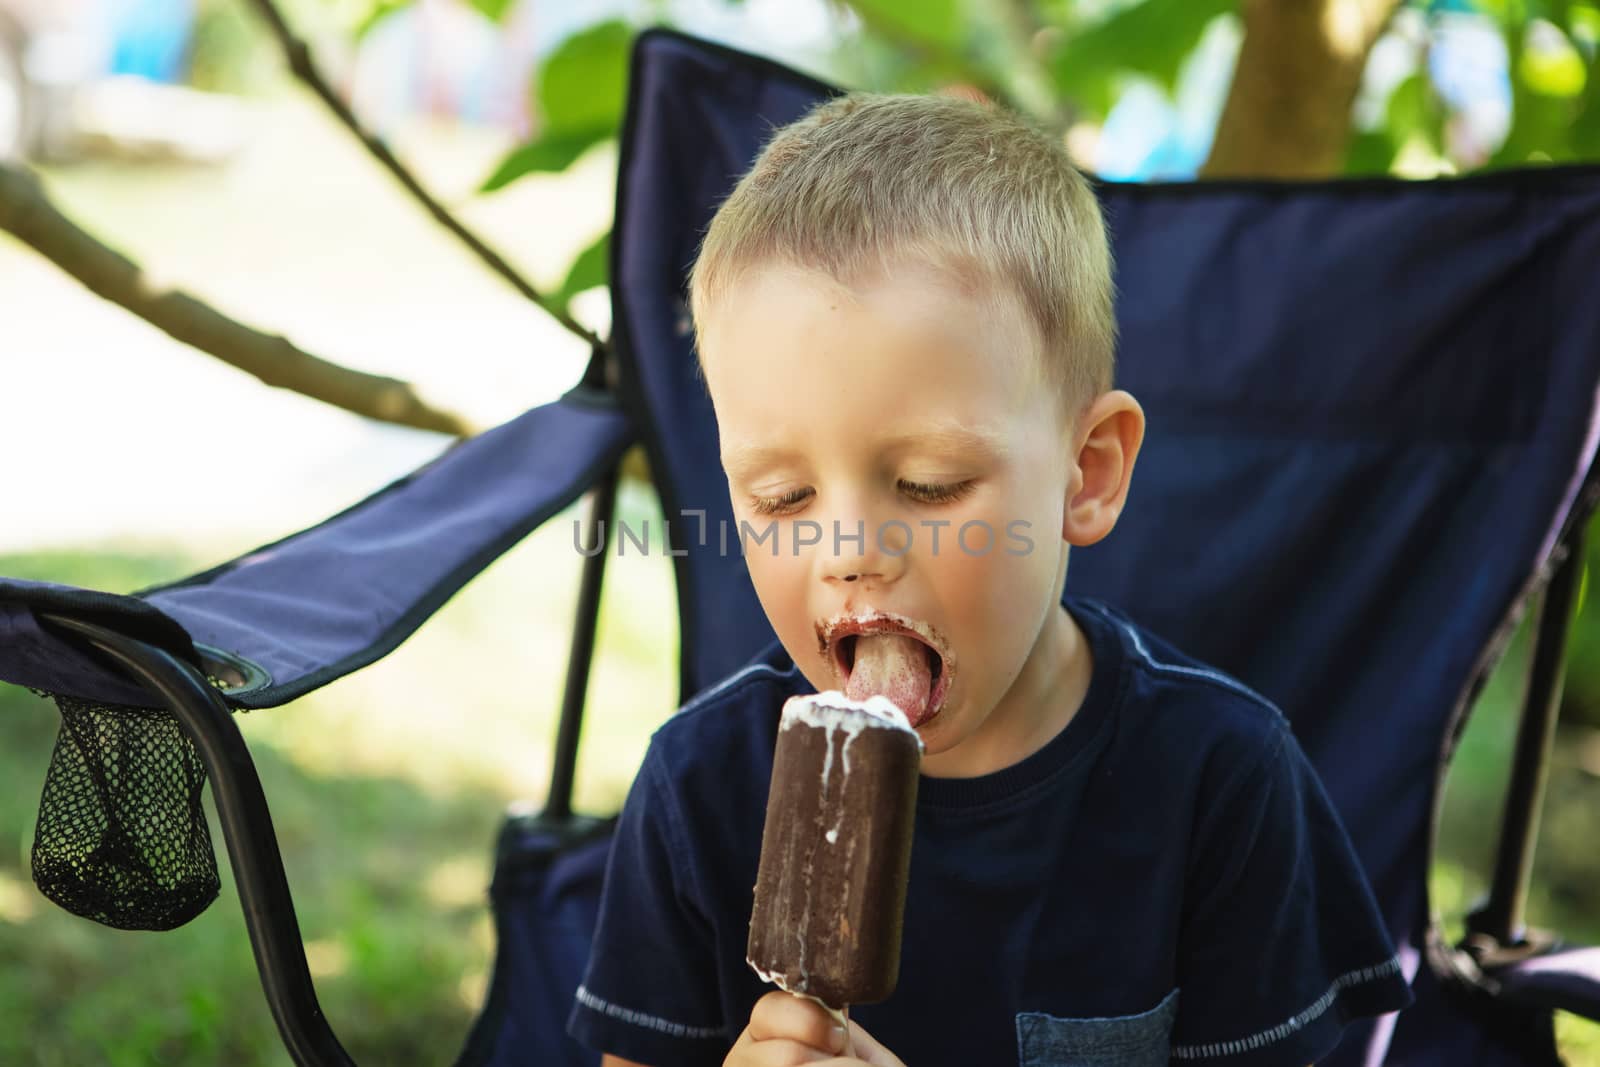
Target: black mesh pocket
[(122, 836)]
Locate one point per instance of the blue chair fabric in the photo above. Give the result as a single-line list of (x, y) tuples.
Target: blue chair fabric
[(320, 603)]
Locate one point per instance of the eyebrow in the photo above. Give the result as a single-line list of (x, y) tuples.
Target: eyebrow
[(940, 436)]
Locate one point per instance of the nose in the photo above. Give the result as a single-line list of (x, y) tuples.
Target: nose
[(857, 550)]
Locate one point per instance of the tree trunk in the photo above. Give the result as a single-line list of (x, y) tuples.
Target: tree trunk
[(1288, 109)]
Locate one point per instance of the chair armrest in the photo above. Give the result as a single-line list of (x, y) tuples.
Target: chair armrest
[(1566, 978), (293, 615)]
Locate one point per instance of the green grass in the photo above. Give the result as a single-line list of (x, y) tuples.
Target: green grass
[(387, 788)]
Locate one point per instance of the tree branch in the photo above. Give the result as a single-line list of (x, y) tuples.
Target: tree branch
[(27, 213), (1288, 109), (298, 54)]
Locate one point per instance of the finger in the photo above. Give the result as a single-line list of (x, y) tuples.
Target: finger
[(776, 1052), (782, 1015), (867, 1048), (754, 1050)]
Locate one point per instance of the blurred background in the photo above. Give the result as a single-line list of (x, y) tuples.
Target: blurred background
[(163, 152)]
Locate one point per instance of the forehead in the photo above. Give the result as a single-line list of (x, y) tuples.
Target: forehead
[(796, 360), (907, 302), (927, 436)]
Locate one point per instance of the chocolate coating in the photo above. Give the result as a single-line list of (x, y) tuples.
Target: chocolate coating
[(828, 913)]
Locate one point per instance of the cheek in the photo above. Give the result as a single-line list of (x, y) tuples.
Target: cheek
[(766, 574), (980, 578), (998, 569), (780, 586)]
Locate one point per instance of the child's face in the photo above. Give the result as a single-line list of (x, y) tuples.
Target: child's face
[(857, 410)]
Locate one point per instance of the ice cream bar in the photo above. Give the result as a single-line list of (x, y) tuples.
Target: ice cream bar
[(836, 849)]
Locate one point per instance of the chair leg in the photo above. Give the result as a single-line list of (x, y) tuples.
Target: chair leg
[(564, 762), (1501, 919)]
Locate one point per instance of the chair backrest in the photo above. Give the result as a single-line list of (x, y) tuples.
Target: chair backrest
[(676, 166), (1372, 411)]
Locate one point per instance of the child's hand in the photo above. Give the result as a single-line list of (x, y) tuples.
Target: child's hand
[(786, 1031)]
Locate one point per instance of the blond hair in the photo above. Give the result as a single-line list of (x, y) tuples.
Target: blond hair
[(865, 180)]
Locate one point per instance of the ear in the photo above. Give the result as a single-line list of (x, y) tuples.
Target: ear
[(1109, 433)]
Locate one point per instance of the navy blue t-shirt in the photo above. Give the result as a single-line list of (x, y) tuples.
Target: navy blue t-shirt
[(1165, 880)]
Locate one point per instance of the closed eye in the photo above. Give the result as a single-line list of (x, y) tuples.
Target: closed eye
[(936, 494), (774, 505), (921, 492)]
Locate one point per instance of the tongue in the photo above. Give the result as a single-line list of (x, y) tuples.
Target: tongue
[(893, 666)]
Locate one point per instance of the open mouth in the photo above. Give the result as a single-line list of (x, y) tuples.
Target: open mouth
[(847, 658), (840, 638)]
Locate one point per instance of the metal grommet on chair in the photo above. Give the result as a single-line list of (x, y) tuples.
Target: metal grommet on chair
[(232, 673)]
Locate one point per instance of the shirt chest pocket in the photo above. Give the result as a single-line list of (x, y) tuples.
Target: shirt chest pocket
[(1142, 1040)]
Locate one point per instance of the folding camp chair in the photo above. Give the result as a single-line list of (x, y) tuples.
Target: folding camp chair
[(1372, 430)]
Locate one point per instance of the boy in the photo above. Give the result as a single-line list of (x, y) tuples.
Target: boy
[(905, 325)]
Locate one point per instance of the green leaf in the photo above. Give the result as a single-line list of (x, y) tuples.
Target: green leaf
[(376, 12), (545, 155), (583, 85), (1554, 68), (1586, 129), (1153, 38), (495, 9), (1583, 21), (1408, 107), (1518, 12), (938, 23), (581, 92), (1414, 114), (1544, 127), (1369, 152), (591, 268)]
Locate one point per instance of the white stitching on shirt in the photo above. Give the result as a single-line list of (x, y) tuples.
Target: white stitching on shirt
[(726, 683), (1283, 1030), (639, 1018), (1194, 672)]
